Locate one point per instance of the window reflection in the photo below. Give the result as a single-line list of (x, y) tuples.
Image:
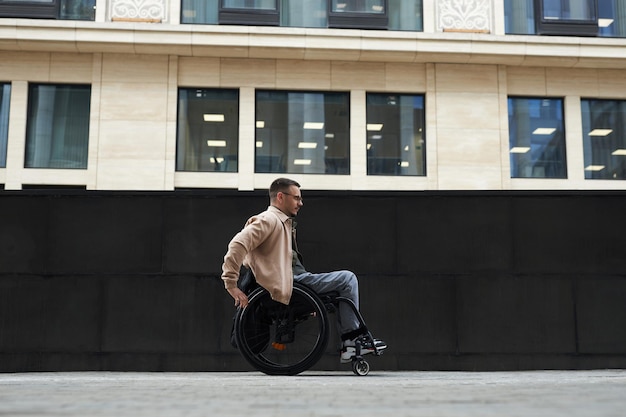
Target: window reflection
[(302, 132), (396, 142), (358, 6), (208, 130), (57, 131), (250, 4), (5, 93), (537, 138), (604, 138)]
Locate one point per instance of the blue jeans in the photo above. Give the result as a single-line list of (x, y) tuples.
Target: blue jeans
[(346, 284)]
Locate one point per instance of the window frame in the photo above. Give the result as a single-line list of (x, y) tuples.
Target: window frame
[(588, 27), (370, 118), (517, 148), (253, 17), (341, 166), (209, 103), (28, 164), (36, 10), (358, 20)]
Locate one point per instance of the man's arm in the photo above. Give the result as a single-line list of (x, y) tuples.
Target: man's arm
[(253, 234)]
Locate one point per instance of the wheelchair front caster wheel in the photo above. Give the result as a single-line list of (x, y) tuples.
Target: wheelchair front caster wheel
[(360, 367)]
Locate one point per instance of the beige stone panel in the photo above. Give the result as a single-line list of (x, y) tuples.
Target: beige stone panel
[(46, 35), (401, 77), (131, 174), (123, 68), (550, 61), (259, 73), (140, 102), (210, 41), (109, 39), (388, 46), (55, 176), (333, 44), (526, 81), (8, 34), (466, 78), (75, 68), (612, 83), (297, 74), (471, 147), (175, 41), (569, 81), (468, 111), (469, 178), (198, 72), (283, 43), (207, 180), (357, 75), (444, 48), (131, 140), (25, 66)]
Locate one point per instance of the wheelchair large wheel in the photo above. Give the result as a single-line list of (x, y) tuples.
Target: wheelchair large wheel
[(280, 339)]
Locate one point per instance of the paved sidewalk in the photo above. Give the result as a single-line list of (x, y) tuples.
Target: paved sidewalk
[(484, 394)]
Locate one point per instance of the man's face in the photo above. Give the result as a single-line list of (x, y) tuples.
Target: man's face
[(289, 202)]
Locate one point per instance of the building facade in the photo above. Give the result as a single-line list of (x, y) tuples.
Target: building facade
[(370, 101)]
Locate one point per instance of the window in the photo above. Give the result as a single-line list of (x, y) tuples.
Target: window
[(365, 14), (395, 134), (57, 130), (249, 12), (612, 18), (49, 9), (208, 130), (405, 15), (604, 139), (565, 17), (302, 132), (304, 13), (537, 138), (5, 96)]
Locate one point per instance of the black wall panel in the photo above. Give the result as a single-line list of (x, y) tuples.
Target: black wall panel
[(471, 281)]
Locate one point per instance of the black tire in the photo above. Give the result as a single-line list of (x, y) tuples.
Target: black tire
[(280, 339)]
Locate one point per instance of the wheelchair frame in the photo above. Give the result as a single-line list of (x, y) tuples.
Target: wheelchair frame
[(280, 339)]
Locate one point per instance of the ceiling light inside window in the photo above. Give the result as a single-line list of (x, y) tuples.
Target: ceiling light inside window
[(307, 145), (374, 127), (302, 162), (259, 143), (594, 168), (217, 160), (544, 131), (600, 132), (605, 23), (404, 164), (619, 152), (314, 125), (520, 149), (213, 117), (216, 143), (260, 124)]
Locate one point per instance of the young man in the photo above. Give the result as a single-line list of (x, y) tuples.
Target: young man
[(268, 247)]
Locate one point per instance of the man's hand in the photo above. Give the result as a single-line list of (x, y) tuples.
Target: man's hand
[(241, 299)]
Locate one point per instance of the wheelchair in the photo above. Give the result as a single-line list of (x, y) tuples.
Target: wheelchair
[(279, 339)]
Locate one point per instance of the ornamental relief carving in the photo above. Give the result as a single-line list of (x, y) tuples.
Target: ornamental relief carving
[(464, 15), (152, 10)]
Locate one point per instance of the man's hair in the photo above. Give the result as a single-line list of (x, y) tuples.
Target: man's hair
[(281, 185)]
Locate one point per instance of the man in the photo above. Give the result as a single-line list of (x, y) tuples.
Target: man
[(268, 247)]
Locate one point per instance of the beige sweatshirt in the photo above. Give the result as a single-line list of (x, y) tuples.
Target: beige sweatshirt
[(264, 246)]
